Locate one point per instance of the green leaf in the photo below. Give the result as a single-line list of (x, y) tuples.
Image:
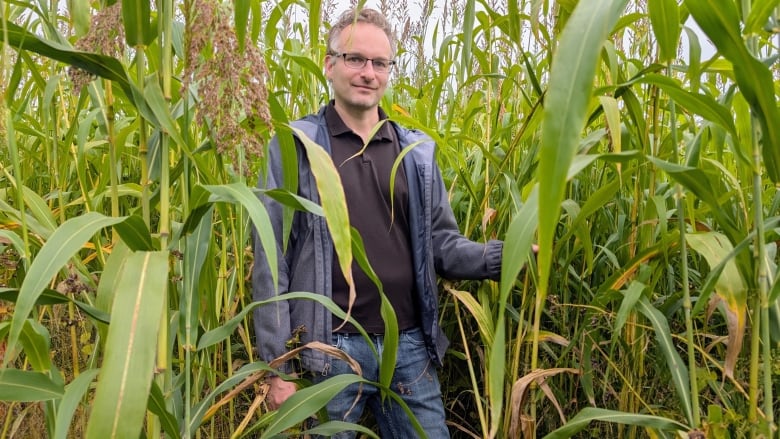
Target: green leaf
[(125, 378), (158, 405), (27, 386), (74, 394), (135, 234), (753, 77), (334, 205), (68, 239), (591, 414), (51, 297), (703, 105), (675, 364), (630, 296), (760, 13), (136, 18), (242, 195), (665, 20), (307, 401), (565, 109), (100, 65), (330, 428)]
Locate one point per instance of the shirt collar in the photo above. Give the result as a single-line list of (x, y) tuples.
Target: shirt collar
[(337, 126)]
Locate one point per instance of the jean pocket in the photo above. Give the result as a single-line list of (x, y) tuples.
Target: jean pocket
[(414, 337)]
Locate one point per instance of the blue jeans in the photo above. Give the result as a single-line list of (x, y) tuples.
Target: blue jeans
[(415, 381)]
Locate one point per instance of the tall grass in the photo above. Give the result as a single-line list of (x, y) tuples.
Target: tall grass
[(647, 175)]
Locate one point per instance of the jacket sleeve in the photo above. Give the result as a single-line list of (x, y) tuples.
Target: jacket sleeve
[(272, 320), (455, 256)]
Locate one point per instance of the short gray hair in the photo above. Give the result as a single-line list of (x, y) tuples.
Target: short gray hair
[(352, 16)]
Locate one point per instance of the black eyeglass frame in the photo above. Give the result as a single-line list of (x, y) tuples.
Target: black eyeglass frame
[(390, 62)]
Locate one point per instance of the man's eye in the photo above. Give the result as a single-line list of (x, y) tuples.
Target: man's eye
[(355, 59), (382, 64)]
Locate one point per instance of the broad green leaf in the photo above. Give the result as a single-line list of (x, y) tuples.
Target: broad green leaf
[(242, 195), (334, 205), (109, 283), (100, 65), (730, 287), (565, 110), (123, 385), (677, 368), (136, 17), (135, 234), (665, 20), (722, 26), (295, 201), (307, 401), (517, 243), (61, 246), (593, 414), (73, 396), (27, 386), (14, 240), (39, 209)]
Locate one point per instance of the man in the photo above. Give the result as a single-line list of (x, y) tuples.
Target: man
[(406, 246)]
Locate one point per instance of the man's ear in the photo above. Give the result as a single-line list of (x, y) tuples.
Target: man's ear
[(328, 63)]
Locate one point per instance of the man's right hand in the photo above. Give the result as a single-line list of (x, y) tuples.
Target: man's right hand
[(278, 392)]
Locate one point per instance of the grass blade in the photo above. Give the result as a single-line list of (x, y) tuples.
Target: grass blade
[(591, 414), (27, 386), (675, 363), (124, 382)]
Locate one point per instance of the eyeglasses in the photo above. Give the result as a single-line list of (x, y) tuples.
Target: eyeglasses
[(355, 61)]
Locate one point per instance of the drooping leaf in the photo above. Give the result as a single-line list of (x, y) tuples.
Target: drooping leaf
[(730, 288), (306, 401), (27, 386), (66, 240), (334, 205), (677, 368), (243, 196), (593, 414)]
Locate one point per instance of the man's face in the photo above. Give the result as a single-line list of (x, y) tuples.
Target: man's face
[(358, 89)]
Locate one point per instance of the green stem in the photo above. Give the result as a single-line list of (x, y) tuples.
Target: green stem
[(687, 304)]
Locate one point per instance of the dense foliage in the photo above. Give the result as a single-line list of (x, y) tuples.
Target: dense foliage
[(637, 143)]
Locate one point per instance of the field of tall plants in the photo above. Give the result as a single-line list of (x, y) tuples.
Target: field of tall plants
[(637, 143)]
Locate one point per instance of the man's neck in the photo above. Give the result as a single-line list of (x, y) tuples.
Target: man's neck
[(361, 122)]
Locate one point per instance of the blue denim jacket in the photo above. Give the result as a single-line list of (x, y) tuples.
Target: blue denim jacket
[(437, 245)]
